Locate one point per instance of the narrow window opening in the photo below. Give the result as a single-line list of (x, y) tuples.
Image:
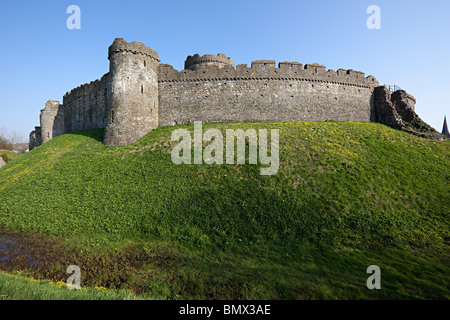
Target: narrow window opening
[(145, 63), (142, 88)]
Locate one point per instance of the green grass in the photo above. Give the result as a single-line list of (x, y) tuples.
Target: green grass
[(9, 155), (346, 194), (18, 287)]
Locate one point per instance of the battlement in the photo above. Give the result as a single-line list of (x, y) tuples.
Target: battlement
[(266, 70), (289, 66), (85, 89), (135, 47)]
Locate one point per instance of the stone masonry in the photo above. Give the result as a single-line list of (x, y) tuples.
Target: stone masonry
[(139, 94), (397, 110)]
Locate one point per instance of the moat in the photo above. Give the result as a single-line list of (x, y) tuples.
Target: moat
[(13, 251)]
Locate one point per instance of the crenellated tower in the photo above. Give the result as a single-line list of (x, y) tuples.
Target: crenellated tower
[(133, 85), (200, 63)]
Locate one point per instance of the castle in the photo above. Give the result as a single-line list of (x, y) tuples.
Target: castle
[(139, 93)]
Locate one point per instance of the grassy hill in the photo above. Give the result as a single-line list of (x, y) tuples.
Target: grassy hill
[(9, 155), (347, 195)]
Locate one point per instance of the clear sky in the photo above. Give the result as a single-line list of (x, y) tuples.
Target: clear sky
[(41, 59)]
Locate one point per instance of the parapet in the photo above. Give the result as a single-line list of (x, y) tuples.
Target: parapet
[(316, 68), (262, 65), (86, 89), (261, 70), (197, 62), (290, 66), (120, 45)]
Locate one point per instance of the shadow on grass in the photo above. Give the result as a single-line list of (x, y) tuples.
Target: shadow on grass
[(96, 134)]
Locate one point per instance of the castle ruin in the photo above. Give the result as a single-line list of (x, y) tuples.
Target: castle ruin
[(139, 93)]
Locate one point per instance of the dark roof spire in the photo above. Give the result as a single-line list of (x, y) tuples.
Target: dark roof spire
[(445, 128)]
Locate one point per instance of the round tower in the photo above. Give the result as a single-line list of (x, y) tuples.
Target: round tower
[(52, 120), (133, 102), (198, 63)]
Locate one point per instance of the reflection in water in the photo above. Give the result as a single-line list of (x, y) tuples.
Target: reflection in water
[(11, 250)]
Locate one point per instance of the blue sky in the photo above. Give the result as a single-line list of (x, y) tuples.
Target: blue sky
[(41, 59)]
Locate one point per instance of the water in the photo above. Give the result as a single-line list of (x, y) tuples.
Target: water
[(12, 250)]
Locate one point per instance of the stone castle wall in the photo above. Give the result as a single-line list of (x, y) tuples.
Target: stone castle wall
[(139, 94), (264, 93), (85, 106)]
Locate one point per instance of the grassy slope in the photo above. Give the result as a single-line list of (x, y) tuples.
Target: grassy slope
[(9, 155), (346, 195)]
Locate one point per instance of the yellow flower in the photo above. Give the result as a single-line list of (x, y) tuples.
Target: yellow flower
[(102, 288)]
